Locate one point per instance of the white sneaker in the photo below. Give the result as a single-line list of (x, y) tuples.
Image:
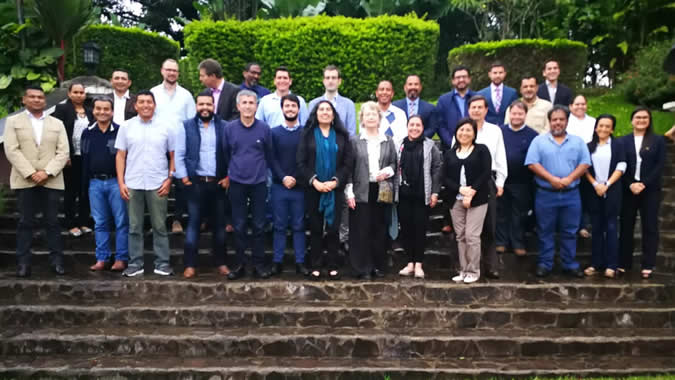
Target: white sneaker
[(469, 278), (164, 270), (132, 272), (407, 271), (459, 277), (419, 273)]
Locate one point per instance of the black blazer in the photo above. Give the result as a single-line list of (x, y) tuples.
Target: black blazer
[(426, 110), (306, 157), (66, 113), (653, 154), (614, 192), (563, 94), (129, 108), (477, 167), (227, 103)]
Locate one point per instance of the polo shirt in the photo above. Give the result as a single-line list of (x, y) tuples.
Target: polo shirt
[(98, 148), (558, 159)]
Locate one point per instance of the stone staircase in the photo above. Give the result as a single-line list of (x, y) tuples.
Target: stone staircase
[(99, 325)]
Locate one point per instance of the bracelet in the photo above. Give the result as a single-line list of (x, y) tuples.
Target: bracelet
[(595, 183)]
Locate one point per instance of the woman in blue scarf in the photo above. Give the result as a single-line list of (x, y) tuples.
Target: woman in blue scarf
[(323, 158)]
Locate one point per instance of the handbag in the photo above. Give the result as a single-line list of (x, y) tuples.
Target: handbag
[(385, 192)]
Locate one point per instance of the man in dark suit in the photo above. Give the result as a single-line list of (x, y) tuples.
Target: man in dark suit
[(224, 92), (552, 90), (123, 100), (498, 95), (453, 106), (413, 105)]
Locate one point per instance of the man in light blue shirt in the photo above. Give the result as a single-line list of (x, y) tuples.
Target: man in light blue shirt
[(175, 105), (269, 108), (144, 175), (558, 160), (332, 79)]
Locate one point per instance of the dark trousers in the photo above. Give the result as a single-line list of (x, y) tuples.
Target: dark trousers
[(487, 237), (413, 216), (323, 236), (605, 242), (247, 198), (205, 199), (31, 201), (180, 200), (648, 203), (367, 230), (512, 208), (75, 200)]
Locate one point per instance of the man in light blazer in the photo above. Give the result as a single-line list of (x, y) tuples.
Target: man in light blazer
[(36, 145), (412, 104), (499, 95)]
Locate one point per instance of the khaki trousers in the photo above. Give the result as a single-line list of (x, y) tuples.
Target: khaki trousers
[(468, 224)]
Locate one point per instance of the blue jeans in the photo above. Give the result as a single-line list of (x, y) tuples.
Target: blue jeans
[(561, 212), (205, 198), (244, 197), (289, 211), (107, 205)]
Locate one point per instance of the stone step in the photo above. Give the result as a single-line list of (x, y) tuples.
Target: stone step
[(339, 342), (346, 315), (274, 368), (109, 289)]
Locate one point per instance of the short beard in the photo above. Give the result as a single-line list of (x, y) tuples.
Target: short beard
[(294, 118), (207, 117), (558, 133)]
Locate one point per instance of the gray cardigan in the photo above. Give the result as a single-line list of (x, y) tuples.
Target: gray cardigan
[(433, 163), (359, 177)]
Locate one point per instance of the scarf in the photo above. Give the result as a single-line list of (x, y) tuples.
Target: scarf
[(326, 157), (412, 163)]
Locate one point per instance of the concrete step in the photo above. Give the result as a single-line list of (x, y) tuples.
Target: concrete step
[(354, 315), (339, 342), (94, 366), (109, 289)]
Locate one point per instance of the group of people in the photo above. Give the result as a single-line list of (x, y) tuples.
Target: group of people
[(244, 157)]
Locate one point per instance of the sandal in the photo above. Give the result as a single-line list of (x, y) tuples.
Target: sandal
[(610, 273), (590, 271), (646, 274)]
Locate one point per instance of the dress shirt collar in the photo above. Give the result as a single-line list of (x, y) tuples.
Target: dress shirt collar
[(125, 96), (335, 99), (414, 102), (294, 127), (41, 118), (551, 85), (493, 87), (550, 137), (456, 93)]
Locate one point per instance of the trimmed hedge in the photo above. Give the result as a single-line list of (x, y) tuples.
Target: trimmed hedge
[(521, 57), (645, 82), (133, 49), (366, 50)]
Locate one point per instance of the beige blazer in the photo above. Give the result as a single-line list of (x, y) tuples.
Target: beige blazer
[(27, 157)]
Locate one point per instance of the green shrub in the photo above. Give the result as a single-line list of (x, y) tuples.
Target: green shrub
[(645, 82), (132, 49), (366, 50), (521, 57), (3, 111)]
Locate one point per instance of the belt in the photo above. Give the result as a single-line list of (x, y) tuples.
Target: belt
[(563, 190), (207, 178), (103, 176)]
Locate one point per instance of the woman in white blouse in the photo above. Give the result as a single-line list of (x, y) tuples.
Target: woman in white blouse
[(608, 165), (372, 173)]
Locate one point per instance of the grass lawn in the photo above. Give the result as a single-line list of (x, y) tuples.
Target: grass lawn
[(617, 106)]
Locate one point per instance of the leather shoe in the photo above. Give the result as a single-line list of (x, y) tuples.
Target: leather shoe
[(576, 273), (223, 270), (118, 266), (237, 273), (277, 269), (493, 274), (23, 270), (189, 272), (378, 273), (261, 273), (542, 272), (301, 269), (99, 266), (59, 269)]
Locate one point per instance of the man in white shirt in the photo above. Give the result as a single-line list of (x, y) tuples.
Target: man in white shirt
[(269, 109), (394, 122), (123, 100), (175, 104), (580, 124), (491, 136)]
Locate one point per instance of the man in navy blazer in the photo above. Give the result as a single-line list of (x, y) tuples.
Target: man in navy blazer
[(552, 90), (413, 105), (498, 95), (453, 106)]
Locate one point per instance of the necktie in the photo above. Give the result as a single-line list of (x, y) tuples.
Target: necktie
[(411, 109), (498, 98)]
